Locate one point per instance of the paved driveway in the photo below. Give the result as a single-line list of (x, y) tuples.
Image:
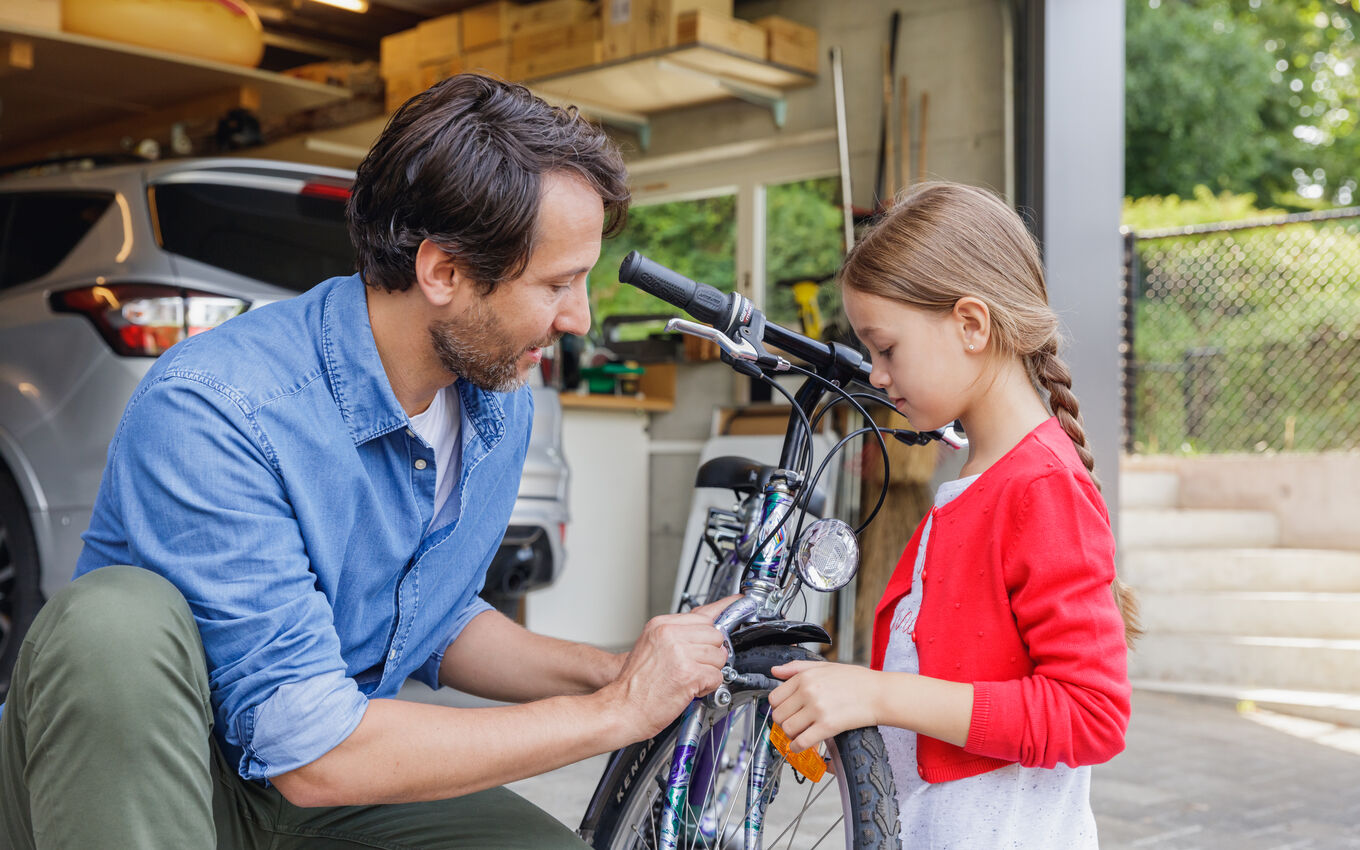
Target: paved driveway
[(1196, 774)]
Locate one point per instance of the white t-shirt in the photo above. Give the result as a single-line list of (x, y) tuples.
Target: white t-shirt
[(1011, 808), (440, 426)]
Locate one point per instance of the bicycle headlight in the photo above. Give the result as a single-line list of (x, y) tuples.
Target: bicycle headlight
[(827, 555)]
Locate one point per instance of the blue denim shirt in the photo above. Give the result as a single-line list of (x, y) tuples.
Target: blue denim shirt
[(267, 470)]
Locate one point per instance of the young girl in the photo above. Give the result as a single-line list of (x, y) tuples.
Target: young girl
[(999, 670)]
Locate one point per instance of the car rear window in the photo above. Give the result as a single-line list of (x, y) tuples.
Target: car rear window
[(287, 239), (40, 229)]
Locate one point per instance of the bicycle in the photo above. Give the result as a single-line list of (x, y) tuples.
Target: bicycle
[(685, 787)]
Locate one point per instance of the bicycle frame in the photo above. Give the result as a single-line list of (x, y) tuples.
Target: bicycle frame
[(767, 585)]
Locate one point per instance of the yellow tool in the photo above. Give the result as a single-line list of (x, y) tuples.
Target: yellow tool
[(805, 296)]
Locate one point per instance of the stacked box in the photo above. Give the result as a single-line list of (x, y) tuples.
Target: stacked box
[(397, 53), (553, 51), (439, 39), (546, 15), (487, 25), (790, 43), (702, 27), (536, 40), (492, 60), (632, 27)]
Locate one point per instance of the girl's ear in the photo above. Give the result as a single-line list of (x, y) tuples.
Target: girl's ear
[(437, 275), (975, 323)]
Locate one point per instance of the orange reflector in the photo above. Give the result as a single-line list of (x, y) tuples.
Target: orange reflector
[(807, 762)]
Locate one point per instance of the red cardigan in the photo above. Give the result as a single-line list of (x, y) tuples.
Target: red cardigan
[(1018, 603)]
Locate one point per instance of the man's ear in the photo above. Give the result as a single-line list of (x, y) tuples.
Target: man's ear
[(437, 275), (975, 323)]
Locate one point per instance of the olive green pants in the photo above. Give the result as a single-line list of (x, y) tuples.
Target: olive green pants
[(105, 742)]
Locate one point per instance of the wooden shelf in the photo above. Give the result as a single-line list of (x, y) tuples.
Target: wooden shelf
[(626, 92), (600, 401), (77, 82)]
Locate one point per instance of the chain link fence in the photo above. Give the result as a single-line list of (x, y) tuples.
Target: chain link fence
[(1243, 337)]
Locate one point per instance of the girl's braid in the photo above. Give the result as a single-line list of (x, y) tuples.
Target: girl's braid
[(1049, 372), (1052, 374)]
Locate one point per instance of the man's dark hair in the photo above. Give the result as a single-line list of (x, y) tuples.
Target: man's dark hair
[(462, 164)]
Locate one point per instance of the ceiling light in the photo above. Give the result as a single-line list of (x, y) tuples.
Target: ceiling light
[(348, 5)]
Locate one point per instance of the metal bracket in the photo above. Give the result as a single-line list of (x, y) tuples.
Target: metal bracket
[(763, 96)]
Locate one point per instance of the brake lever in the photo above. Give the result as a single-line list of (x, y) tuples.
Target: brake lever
[(948, 435), (738, 350)]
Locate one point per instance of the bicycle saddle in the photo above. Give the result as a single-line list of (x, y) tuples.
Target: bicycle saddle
[(746, 476)]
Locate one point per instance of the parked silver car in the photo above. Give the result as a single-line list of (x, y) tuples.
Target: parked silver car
[(103, 267)]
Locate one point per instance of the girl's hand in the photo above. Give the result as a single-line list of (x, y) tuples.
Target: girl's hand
[(819, 700)]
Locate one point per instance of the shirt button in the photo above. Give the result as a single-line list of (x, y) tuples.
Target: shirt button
[(923, 575), (420, 463), (392, 656), (410, 433), (913, 637)]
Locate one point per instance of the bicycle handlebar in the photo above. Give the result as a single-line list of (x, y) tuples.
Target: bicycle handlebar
[(728, 312)]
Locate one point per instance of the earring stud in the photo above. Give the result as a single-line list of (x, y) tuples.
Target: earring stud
[(970, 346)]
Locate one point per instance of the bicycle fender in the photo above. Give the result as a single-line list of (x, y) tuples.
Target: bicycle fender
[(778, 632)]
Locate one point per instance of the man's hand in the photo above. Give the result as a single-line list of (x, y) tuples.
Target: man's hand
[(678, 657), (819, 700)]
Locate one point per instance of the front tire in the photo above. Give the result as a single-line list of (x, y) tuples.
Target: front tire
[(854, 805)]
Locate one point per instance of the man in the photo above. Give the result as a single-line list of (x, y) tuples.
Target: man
[(309, 497)]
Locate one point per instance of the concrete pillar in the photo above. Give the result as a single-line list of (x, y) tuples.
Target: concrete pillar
[(1083, 184)]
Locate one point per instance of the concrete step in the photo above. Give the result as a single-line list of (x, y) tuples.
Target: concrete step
[(1161, 528), (1266, 614), (1148, 489), (1288, 663), (1326, 706), (1304, 570)]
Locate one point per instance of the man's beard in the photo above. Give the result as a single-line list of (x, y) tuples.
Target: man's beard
[(474, 347)]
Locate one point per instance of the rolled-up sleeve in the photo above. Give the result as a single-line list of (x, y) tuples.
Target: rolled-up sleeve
[(200, 501)]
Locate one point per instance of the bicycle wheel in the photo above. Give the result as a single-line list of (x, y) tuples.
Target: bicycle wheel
[(853, 806)]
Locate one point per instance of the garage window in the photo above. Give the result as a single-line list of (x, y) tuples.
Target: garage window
[(696, 237)]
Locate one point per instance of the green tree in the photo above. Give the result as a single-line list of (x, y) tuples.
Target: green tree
[(1254, 96), (1197, 82)]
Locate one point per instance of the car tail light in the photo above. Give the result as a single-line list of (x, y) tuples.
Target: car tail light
[(143, 320), (329, 191)]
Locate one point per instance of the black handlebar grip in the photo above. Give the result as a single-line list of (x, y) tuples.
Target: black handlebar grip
[(700, 300)]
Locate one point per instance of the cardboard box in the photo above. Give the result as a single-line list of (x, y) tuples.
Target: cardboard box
[(660, 18), (487, 24), (439, 38), (433, 72), (567, 58), (33, 14), (398, 53), (617, 23), (701, 27), (402, 86), (493, 61), (546, 41), (641, 26), (790, 43), (549, 15)]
